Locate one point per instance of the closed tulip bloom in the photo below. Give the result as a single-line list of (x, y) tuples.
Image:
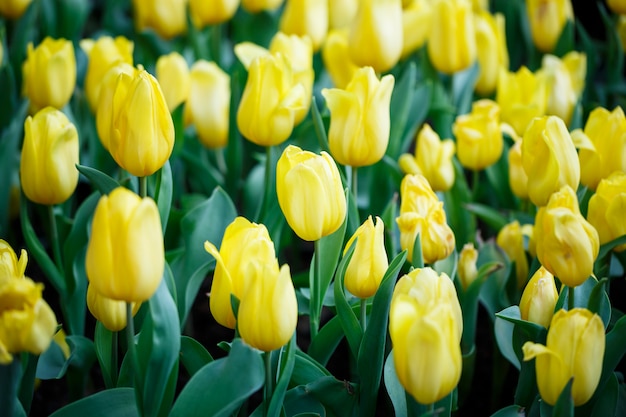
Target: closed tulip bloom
[(244, 255), (49, 74), (142, 130), (208, 104), (270, 101), (607, 131), (574, 349), (547, 20), (49, 156), (433, 159), (103, 53), (310, 193), (375, 37), (168, 18), (479, 141), (511, 240), (549, 158), (14, 9), (518, 180), (369, 261), (467, 265), (539, 298), (256, 6), (567, 245), (205, 13), (491, 50), (566, 81), (360, 122), (416, 25), (111, 313), (617, 6), (125, 255), (172, 72), (10, 265), (306, 17), (341, 13), (607, 207), (268, 312), (337, 59)]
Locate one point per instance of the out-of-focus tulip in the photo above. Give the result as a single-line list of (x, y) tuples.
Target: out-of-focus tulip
[(567, 245), (369, 261), (522, 96), (574, 349), (607, 207), (549, 158), (416, 25), (621, 30), (10, 266), (49, 74), (511, 240), (607, 131), (467, 265), (518, 180), (479, 141), (539, 298), (336, 58), (480, 5), (172, 72), (255, 6), (451, 42), (141, 138), (566, 81), (547, 21), (14, 9), (208, 104), (360, 123), (245, 253), (49, 157), (125, 255), (375, 37), (103, 54), (310, 193), (425, 325), (433, 159), (341, 13), (270, 102), (268, 312), (306, 17), (491, 50), (617, 6), (421, 213), (112, 313), (212, 13), (168, 18)]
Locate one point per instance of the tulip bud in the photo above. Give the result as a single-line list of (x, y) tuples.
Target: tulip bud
[(566, 81), (549, 158), (172, 72), (360, 123), (168, 18), (518, 180), (246, 251), (255, 6), (208, 105), (49, 74), (467, 265), (341, 13), (10, 265), (416, 25), (375, 37), (478, 136), (567, 245), (491, 50), (205, 13), (337, 59), (433, 159), (547, 21), (606, 209), (268, 312), (125, 255), (103, 55), (111, 313), (511, 240), (306, 18), (617, 6), (574, 349), (14, 9), (539, 298), (49, 157)]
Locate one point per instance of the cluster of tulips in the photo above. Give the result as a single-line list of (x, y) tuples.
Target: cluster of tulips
[(361, 173)]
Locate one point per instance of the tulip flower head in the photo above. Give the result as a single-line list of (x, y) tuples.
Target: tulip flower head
[(547, 21), (111, 313), (306, 17), (491, 50), (168, 18), (607, 207), (172, 72), (511, 240), (467, 271), (416, 25), (256, 6), (539, 298), (566, 81), (14, 9), (518, 180), (205, 13), (337, 59)]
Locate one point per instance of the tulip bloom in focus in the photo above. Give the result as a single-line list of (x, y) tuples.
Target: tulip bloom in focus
[(467, 265), (125, 256), (574, 349), (111, 313), (306, 18), (547, 21), (211, 13), (607, 207), (539, 298), (49, 156), (172, 72), (168, 18), (511, 240)]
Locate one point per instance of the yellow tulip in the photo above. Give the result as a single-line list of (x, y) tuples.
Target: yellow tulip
[(245, 254), (451, 42), (375, 37), (310, 193), (574, 349), (518, 180), (566, 81), (142, 131), (268, 312), (416, 25), (168, 18), (341, 13), (255, 6), (208, 105), (539, 298), (306, 18), (511, 240), (212, 13), (617, 6), (10, 266), (337, 59), (14, 9), (49, 73), (425, 325), (607, 131), (125, 255), (49, 157), (567, 245), (621, 30), (547, 21), (103, 54), (549, 158), (360, 123), (172, 72), (112, 313), (491, 51), (467, 265), (607, 207)]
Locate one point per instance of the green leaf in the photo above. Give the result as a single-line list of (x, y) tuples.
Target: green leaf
[(286, 369), (101, 181), (606, 402), (52, 363), (463, 88), (589, 293), (400, 109), (193, 286), (493, 294), (327, 340), (609, 246), (103, 342), (347, 318), (512, 315), (164, 192), (510, 411), (118, 402), (220, 387), (306, 369), (461, 221), (396, 391), (503, 331), (338, 398), (10, 376), (9, 157), (564, 406), (493, 218), (193, 355), (318, 125)]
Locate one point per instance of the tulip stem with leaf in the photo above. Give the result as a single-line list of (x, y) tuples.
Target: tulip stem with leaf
[(54, 237), (315, 290), (143, 187), (364, 313), (132, 351), (571, 300), (267, 391)]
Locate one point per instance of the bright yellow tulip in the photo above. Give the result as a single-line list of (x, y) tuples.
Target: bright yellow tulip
[(547, 21), (511, 240), (14, 9), (255, 6), (10, 265), (172, 72), (341, 13), (539, 298), (518, 180), (111, 313), (205, 13), (306, 18), (566, 81), (416, 25), (607, 207), (168, 18), (467, 265), (337, 59), (491, 50)]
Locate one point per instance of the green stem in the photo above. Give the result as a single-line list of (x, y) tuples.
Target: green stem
[(54, 237), (143, 187), (268, 184), (571, 299), (475, 185), (114, 358), (221, 161), (134, 362), (267, 392), (354, 185), (315, 292), (364, 313), (430, 409), (10, 375)]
